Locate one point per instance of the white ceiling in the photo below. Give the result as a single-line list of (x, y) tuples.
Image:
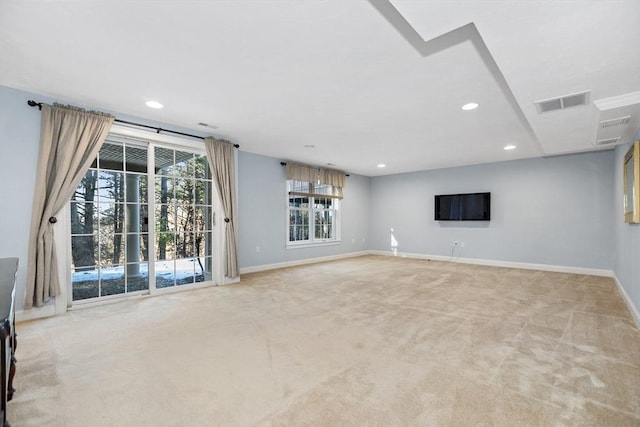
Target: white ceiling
[(364, 82)]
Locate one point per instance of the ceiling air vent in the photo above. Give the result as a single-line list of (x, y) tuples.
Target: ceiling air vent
[(562, 102), (607, 141), (207, 125), (615, 122)]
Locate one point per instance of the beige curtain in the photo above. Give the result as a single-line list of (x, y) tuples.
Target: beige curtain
[(302, 173), (313, 175), (333, 178), (70, 139), (220, 154)]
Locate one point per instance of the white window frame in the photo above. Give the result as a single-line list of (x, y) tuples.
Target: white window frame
[(312, 242)]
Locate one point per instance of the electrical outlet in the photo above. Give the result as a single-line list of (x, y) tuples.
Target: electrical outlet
[(462, 244)]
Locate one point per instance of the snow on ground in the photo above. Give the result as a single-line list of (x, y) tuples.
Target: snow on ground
[(184, 269)]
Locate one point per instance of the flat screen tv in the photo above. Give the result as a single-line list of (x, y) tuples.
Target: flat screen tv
[(463, 207)]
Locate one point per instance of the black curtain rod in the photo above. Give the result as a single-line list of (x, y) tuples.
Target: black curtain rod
[(285, 164), (157, 129)]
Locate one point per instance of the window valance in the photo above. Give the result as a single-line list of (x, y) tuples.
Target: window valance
[(324, 182)]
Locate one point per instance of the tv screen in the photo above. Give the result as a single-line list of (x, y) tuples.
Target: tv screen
[(463, 207)]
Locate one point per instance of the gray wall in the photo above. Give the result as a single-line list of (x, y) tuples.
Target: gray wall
[(560, 211), (555, 211), (262, 214), (627, 245), (19, 137)]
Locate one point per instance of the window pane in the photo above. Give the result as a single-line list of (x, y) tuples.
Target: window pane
[(86, 190), (202, 170), (165, 217), (202, 216), (299, 186), (324, 224), (184, 245), (295, 218), (84, 252), (145, 247), (203, 244), (137, 217), (298, 233), (202, 192), (298, 217), (324, 189), (84, 218), (112, 281), (111, 217), (323, 217), (137, 248), (184, 218), (165, 246), (184, 190), (298, 202), (111, 250), (184, 166), (85, 284), (136, 188), (185, 271), (163, 159), (165, 274), (137, 277), (136, 159), (111, 186), (204, 269), (164, 189), (324, 231), (111, 157), (144, 189), (323, 203)]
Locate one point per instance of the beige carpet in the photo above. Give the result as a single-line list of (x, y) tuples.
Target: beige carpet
[(369, 341)]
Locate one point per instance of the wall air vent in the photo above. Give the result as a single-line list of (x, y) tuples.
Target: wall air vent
[(615, 122), (607, 141), (562, 102)]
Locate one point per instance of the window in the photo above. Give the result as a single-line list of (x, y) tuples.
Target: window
[(313, 202), (141, 218)]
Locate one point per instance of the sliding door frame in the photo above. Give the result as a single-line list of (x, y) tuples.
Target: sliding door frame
[(63, 227)]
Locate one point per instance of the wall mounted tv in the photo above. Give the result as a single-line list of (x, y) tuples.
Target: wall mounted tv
[(463, 207)]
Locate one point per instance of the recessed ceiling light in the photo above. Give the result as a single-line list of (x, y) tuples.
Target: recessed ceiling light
[(382, 165), (469, 106), (509, 147), (154, 104)]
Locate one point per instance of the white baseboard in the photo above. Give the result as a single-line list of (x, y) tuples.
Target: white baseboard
[(264, 267), (35, 313), (49, 310), (507, 264), (627, 299)]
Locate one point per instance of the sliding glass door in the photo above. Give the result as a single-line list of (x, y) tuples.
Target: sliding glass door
[(183, 218), (141, 219)]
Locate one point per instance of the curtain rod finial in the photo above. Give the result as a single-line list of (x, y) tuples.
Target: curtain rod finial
[(33, 103)]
